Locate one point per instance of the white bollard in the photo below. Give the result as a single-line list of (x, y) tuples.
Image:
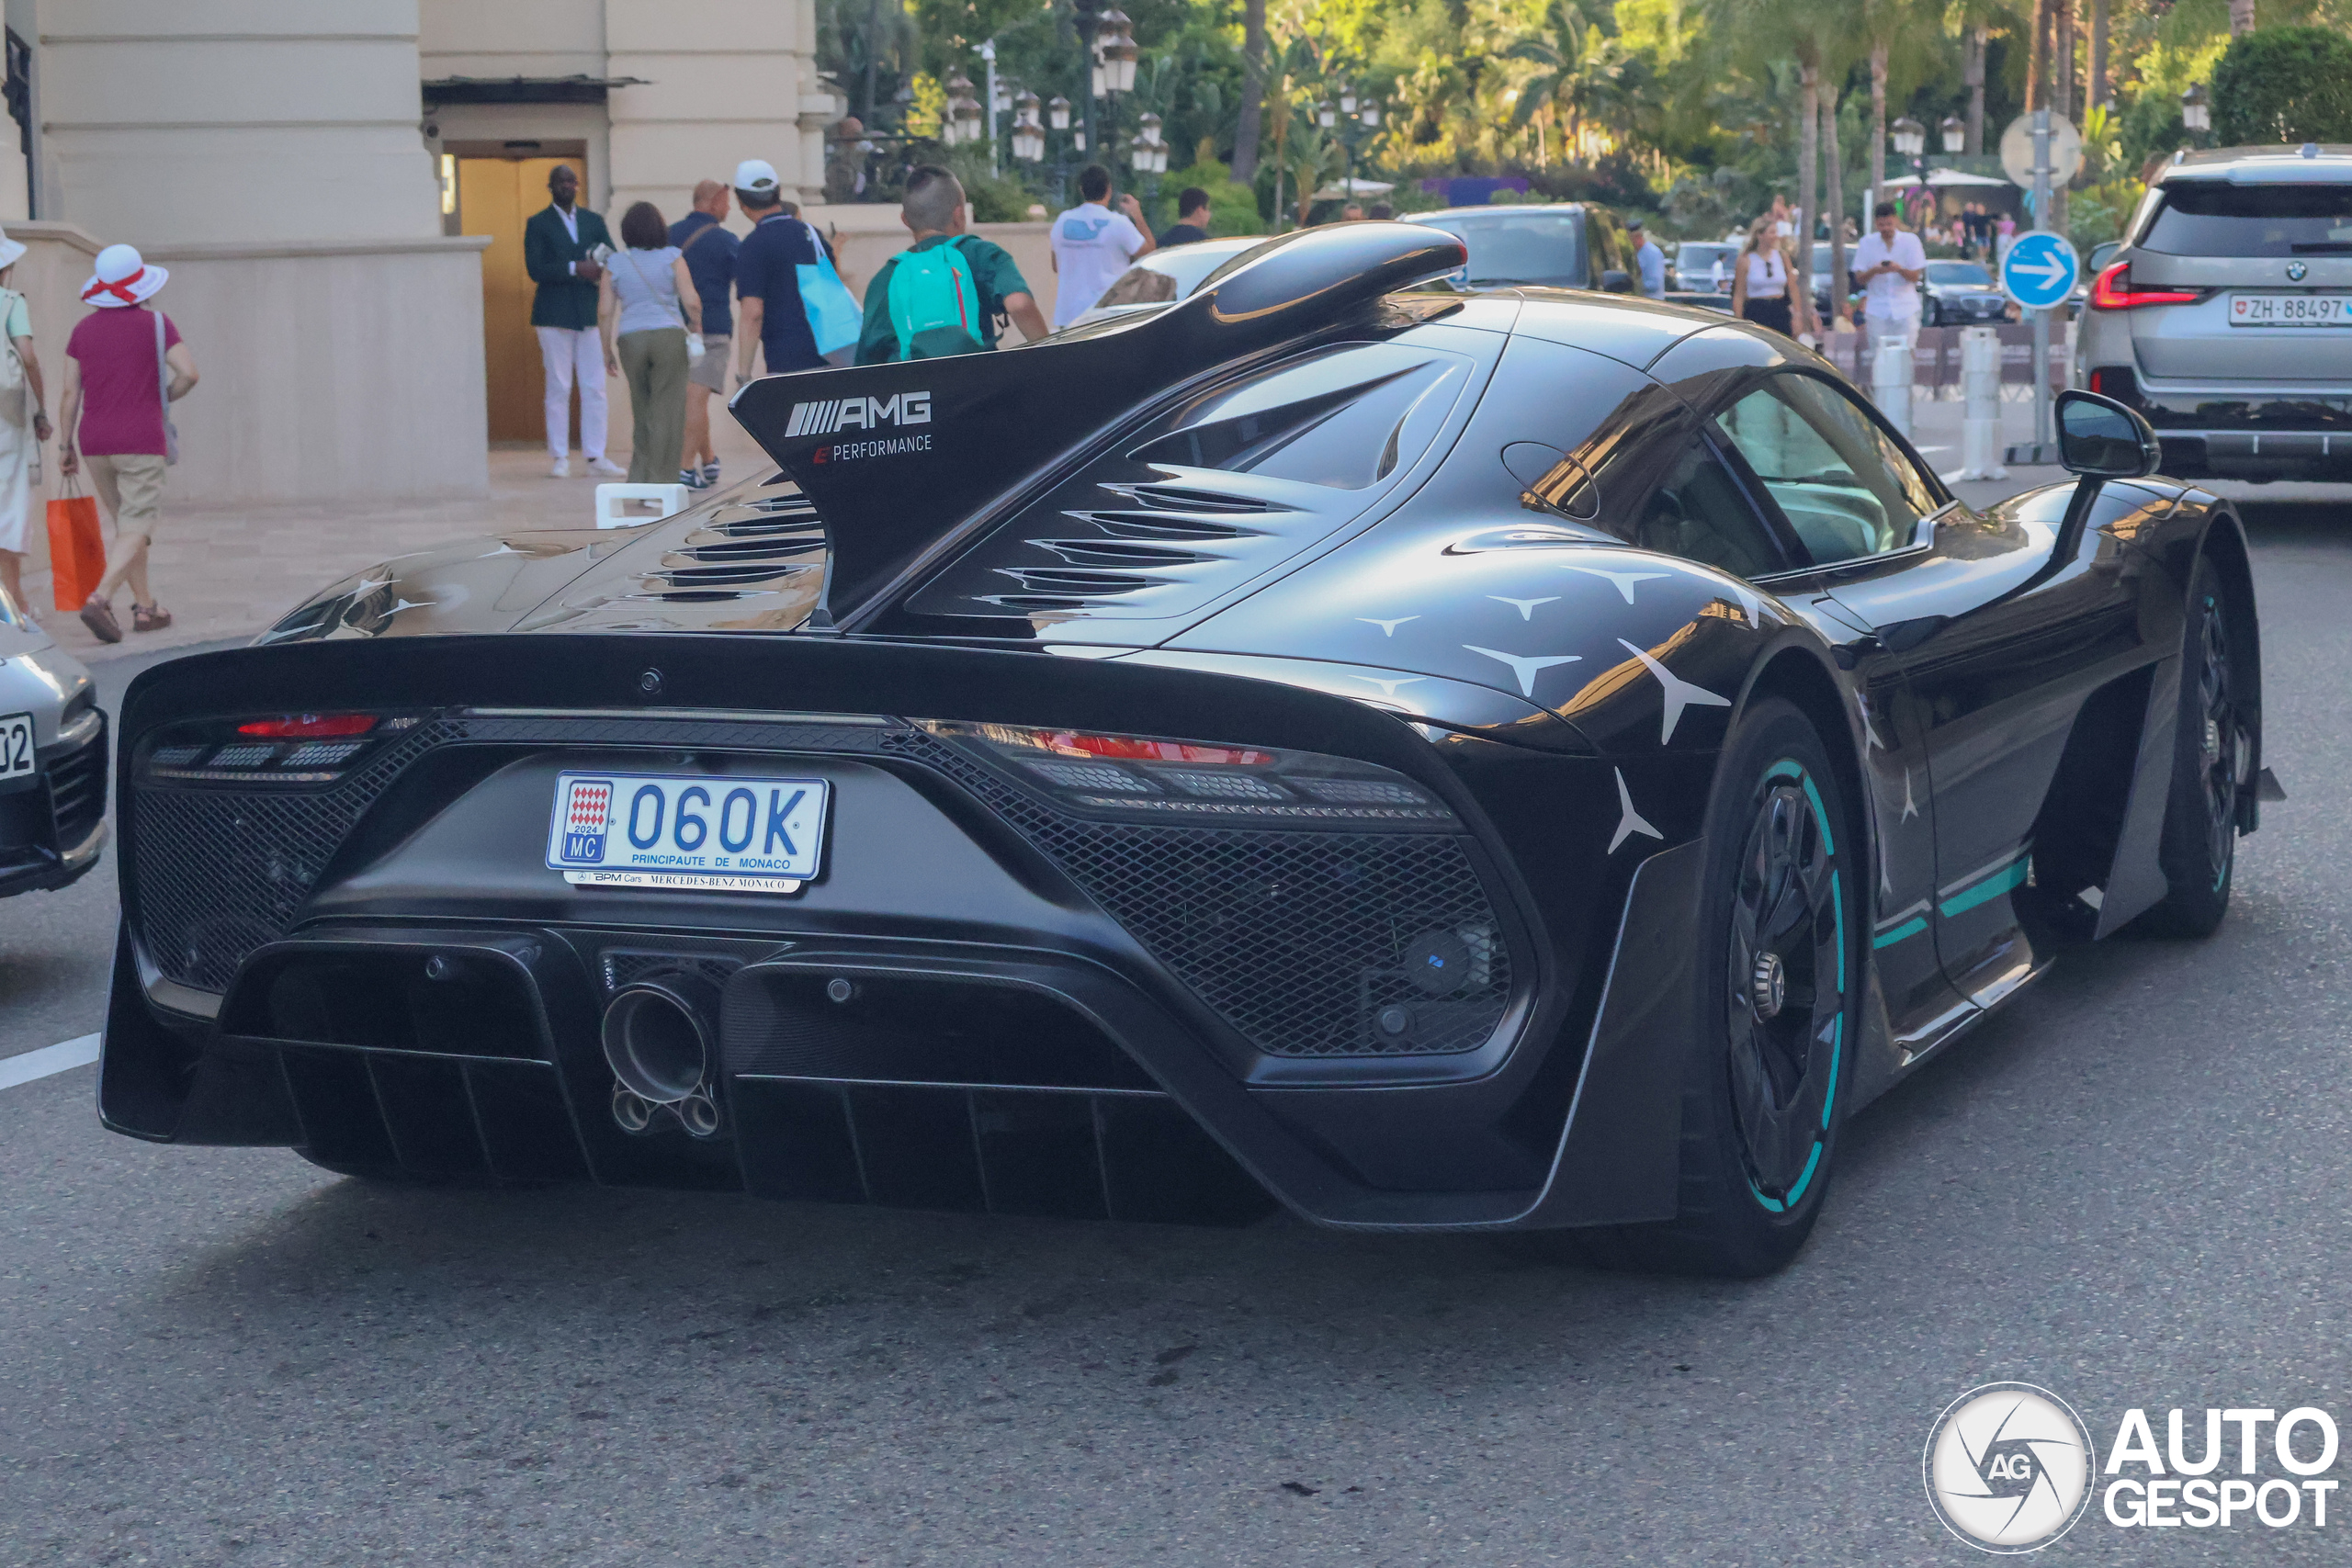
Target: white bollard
[(1980, 385), (671, 499), (1890, 382)]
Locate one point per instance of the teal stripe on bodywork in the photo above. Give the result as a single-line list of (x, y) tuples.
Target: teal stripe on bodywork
[(2010, 876), (1911, 926), (1820, 814), (1837, 1047), (1838, 903)]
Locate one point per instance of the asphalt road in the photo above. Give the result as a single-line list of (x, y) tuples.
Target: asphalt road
[(2129, 1188)]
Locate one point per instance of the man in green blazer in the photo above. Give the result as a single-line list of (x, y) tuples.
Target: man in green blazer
[(557, 246)]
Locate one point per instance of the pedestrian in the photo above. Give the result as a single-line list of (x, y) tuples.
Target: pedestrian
[(1382, 212), (1092, 245), (1351, 213), (123, 366), (560, 246), (1784, 224), (1649, 262), (946, 293), (24, 424), (702, 237), (1192, 224), (1889, 265), (651, 316), (771, 321), (2005, 233), (1760, 290)]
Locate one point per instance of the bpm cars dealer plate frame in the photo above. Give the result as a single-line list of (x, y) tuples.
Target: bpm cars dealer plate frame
[(698, 833)]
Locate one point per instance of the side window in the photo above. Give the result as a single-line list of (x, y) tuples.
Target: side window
[(1845, 488), (1697, 512)]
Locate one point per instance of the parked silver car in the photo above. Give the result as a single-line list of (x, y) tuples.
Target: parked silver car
[(52, 759), (2226, 317)]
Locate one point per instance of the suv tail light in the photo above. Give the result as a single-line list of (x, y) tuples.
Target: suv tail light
[(2117, 381), (2113, 291)]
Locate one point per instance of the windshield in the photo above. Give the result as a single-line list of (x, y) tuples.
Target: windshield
[(1959, 274), (2206, 217), (1693, 259), (1523, 247)]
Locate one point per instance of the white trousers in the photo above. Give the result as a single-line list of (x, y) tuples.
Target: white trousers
[(572, 353)]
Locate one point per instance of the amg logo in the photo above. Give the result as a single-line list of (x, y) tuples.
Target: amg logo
[(865, 413)]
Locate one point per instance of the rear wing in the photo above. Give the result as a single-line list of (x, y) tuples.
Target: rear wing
[(904, 462)]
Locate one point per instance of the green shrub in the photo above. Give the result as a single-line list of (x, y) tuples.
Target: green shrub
[(2289, 84)]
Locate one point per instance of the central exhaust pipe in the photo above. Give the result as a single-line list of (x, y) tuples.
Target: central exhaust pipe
[(659, 1039)]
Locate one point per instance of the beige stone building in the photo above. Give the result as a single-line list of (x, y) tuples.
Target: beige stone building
[(304, 168)]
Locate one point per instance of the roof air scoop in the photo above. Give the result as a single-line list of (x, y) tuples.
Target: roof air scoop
[(905, 461)]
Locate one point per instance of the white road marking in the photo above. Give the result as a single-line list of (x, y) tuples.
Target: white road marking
[(63, 1056)]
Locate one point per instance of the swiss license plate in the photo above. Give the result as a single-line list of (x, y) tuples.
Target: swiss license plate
[(2289, 311), (703, 832), (15, 745)]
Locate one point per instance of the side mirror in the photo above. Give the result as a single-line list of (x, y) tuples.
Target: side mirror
[(2100, 438), (1615, 282)]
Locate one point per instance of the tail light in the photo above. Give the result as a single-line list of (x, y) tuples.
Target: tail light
[(2113, 290), (309, 726), (2117, 381), (280, 749), (1161, 779)]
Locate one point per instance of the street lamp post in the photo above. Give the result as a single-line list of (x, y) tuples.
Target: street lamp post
[(1910, 139), (1955, 135)]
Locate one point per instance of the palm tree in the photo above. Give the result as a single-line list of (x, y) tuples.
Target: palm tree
[(1254, 91), (1580, 71)]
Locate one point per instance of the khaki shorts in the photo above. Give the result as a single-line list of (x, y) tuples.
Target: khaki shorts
[(711, 370), (130, 486)]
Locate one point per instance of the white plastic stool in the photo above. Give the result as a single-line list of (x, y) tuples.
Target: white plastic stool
[(1980, 381), (1890, 382)]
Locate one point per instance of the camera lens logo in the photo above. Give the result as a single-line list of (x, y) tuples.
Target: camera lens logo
[(2008, 1467)]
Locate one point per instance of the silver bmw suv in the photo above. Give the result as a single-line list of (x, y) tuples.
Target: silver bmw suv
[(2226, 318)]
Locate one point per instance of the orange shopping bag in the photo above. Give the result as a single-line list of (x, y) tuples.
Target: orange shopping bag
[(77, 552)]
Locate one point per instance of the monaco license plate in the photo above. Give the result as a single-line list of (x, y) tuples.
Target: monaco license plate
[(2289, 311), (15, 745), (700, 832)]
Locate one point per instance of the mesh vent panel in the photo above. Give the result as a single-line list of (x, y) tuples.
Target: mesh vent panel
[(222, 871), (1299, 940)]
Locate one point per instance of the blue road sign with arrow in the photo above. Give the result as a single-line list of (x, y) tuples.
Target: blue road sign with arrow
[(2039, 270)]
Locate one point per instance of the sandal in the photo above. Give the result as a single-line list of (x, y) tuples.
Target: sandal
[(98, 615), (148, 617)]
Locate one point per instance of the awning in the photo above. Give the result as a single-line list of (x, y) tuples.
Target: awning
[(1338, 189), (578, 89)]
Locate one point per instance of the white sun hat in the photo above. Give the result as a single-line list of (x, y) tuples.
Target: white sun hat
[(10, 251), (121, 279)]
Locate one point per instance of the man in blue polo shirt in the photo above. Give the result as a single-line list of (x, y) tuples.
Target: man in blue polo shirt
[(767, 277), (708, 250)]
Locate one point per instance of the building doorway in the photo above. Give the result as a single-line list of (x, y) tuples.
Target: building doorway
[(498, 189)]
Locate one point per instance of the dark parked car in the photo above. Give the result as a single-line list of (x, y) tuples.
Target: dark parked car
[(1569, 245), (1528, 761), (1961, 294)]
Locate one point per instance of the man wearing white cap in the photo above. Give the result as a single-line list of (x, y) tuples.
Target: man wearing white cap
[(123, 365), (767, 276)]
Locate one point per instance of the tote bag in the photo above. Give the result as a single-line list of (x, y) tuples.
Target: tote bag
[(77, 552), (833, 314)]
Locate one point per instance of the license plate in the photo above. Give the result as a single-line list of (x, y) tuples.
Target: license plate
[(15, 745), (703, 832), (2289, 311)]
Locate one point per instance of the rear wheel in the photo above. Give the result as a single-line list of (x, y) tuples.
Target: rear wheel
[(2213, 747), (1762, 1104)]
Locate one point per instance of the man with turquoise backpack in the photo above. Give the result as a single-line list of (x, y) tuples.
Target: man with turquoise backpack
[(947, 294)]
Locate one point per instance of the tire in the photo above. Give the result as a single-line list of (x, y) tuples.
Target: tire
[(1761, 1104), (2213, 749)]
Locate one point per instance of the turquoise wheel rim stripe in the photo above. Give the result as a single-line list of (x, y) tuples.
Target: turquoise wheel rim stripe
[(2009, 876), (1789, 769), (1909, 927)]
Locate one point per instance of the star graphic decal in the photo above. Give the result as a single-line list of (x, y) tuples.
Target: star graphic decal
[(1623, 581), (1679, 693), (1527, 669), (1387, 687), (1526, 607), (1631, 821), (1388, 628), (1910, 807), (1869, 731)]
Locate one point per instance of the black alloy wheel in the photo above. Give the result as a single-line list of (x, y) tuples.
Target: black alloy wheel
[(2214, 746), (1780, 975)]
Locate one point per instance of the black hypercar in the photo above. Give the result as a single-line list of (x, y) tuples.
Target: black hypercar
[(1531, 761)]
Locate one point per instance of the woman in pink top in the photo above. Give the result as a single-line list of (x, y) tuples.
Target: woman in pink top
[(123, 365)]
